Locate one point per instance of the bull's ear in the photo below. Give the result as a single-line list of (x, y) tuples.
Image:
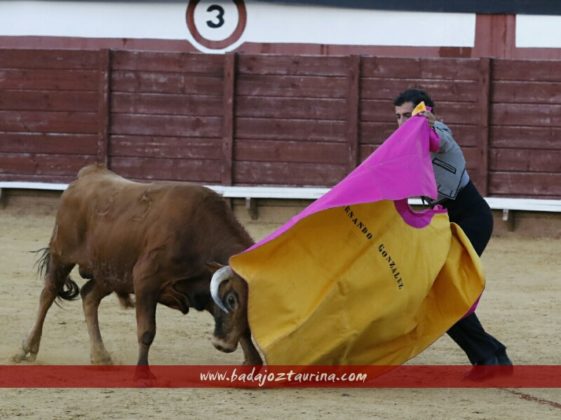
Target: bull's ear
[(214, 266)]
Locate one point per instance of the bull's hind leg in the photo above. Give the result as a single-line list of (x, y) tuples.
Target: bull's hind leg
[(56, 276), (92, 294)]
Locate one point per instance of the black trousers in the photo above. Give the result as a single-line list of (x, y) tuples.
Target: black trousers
[(472, 213)]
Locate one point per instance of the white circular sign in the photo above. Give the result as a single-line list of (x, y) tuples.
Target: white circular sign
[(216, 24)]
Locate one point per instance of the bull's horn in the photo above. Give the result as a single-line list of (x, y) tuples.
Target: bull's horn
[(217, 278)]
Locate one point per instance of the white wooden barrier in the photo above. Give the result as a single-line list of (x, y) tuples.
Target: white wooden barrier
[(250, 193)]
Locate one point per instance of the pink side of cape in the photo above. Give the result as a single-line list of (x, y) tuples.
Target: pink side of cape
[(400, 168)]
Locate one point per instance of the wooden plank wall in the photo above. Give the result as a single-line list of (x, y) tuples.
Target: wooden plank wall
[(48, 113), (525, 146), (166, 116), (268, 119), (291, 120)]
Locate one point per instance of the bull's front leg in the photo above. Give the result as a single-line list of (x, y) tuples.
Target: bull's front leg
[(146, 326), (146, 301), (251, 355), (146, 331)]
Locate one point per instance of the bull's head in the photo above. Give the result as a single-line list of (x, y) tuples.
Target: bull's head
[(229, 293)]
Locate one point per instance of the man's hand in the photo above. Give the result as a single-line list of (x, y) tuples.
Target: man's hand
[(430, 117)]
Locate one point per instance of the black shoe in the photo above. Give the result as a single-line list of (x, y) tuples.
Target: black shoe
[(498, 365), (503, 359)]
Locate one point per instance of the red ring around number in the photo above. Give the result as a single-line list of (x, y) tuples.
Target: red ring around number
[(216, 45)]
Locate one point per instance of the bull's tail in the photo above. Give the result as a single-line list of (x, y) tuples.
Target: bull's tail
[(67, 288)]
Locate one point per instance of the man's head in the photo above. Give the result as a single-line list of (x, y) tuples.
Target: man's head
[(407, 100)]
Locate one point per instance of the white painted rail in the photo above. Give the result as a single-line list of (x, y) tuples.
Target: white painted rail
[(312, 193)]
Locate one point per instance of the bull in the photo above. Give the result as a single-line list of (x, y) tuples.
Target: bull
[(161, 242)]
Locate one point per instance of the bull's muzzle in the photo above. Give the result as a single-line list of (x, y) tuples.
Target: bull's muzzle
[(223, 346)]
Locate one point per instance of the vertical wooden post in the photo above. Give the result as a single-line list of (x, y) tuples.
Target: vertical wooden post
[(353, 112), (484, 123), (103, 107), (495, 36), (228, 118)]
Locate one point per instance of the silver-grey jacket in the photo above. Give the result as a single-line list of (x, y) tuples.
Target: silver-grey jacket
[(449, 164)]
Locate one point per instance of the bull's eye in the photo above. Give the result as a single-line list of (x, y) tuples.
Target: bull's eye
[(231, 301)]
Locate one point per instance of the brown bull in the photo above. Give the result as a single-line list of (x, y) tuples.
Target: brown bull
[(151, 240)]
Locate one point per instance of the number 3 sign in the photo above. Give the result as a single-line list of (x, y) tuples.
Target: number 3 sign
[(216, 24)]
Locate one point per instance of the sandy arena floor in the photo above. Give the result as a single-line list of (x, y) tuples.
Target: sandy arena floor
[(521, 307)]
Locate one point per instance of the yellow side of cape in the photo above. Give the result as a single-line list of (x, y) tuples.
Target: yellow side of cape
[(357, 285)]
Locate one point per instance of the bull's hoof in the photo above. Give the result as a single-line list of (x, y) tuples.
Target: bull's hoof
[(20, 357), (24, 357), (143, 377), (101, 359), (256, 362), (223, 347), (25, 354)]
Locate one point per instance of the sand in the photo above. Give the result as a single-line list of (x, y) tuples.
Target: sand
[(521, 307)]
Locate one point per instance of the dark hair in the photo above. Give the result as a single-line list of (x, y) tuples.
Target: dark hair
[(416, 96)]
